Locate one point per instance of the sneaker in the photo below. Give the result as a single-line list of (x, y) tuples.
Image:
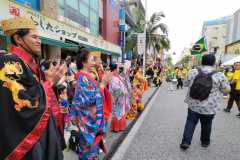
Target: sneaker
[(184, 146), (205, 145), (226, 110), (238, 115)]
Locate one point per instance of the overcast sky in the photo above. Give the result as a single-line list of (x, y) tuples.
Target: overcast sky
[(185, 17)]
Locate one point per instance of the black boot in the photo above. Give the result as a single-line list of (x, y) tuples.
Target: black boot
[(226, 110)]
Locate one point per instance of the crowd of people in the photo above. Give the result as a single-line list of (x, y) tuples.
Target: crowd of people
[(48, 106)]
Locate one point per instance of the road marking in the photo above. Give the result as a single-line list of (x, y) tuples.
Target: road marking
[(119, 154)]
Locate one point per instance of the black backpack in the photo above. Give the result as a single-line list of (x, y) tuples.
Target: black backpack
[(202, 86), (74, 141)]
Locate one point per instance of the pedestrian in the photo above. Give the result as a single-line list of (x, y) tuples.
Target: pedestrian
[(119, 92), (100, 74), (229, 74), (125, 75), (150, 74), (138, 90), (169, 78), (204, 98), (64, 104), (157, 80), (29, 126), (180, 77), (87, 108), (235, 90)]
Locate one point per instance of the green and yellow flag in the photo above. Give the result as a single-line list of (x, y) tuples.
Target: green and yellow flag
[(199, 47)]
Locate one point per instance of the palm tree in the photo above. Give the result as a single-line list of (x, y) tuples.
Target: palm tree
[(155, 40), (131, 37)]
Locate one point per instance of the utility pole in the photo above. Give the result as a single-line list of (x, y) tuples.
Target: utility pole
[(122, 27), (145, 33)]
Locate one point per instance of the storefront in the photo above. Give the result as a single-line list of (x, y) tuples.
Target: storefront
[(233, 48), (57, 36)]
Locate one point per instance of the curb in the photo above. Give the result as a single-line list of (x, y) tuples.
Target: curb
[(116, 152)]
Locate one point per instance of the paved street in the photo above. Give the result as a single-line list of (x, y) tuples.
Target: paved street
[(111, 138), (160, 134)]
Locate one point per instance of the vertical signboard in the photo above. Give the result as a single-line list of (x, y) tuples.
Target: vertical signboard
[(141, 43)]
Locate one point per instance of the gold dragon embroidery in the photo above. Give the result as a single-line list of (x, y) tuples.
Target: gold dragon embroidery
[(9, 70)]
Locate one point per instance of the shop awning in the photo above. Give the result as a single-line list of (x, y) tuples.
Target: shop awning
[(232, 61), (59, 44), (92, 48)]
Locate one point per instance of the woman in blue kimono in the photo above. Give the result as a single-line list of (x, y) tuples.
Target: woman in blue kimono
[(87, 109)]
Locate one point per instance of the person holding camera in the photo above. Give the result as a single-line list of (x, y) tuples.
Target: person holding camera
[(30, 126)]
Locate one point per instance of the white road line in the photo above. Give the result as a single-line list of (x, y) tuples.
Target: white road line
[(119, 154)]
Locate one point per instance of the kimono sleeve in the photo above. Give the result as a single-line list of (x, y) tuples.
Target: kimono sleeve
[(84, 95), (115, 88)]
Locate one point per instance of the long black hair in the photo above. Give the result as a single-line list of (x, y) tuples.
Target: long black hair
[(20, 32), (113, 66), (82, 57)]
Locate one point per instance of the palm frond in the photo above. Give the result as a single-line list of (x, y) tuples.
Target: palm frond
[(161, 26), (156, 17)]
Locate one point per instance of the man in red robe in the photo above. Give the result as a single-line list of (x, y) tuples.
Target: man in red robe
[(29, 120)]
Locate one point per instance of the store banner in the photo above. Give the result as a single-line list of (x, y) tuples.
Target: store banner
[(122, 15), (53, 29)]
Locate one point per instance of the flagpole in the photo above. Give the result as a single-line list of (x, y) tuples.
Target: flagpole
[(145, 33)]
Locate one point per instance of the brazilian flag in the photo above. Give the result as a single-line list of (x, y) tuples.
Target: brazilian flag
[(199, 47)]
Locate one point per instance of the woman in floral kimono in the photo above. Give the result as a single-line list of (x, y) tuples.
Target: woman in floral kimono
[(87, 109), (139, 87), (120, 97)]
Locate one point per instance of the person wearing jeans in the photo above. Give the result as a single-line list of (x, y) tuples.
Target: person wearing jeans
[(206, 127), (206, 109)]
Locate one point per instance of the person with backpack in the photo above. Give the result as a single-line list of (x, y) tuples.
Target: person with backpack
[(204, 98)]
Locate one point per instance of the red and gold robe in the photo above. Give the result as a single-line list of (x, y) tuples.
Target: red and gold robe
[(28, 112)]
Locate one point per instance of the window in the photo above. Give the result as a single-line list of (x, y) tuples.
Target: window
[(83, 12), (94, 17), (85, 1), (34, 4), (94, 4), (61, 3), (84, 9), (237, 51), (61, 11), (72, 3), (61, 7), (94, 29)]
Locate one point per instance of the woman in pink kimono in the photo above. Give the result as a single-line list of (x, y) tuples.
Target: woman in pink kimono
[(120, 106)]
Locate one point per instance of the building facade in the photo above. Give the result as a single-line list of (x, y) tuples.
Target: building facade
[(233, 43), (64, 25), (110, 30), (215, 33)]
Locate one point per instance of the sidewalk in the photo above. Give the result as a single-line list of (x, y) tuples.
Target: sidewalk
[(113, 139)]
